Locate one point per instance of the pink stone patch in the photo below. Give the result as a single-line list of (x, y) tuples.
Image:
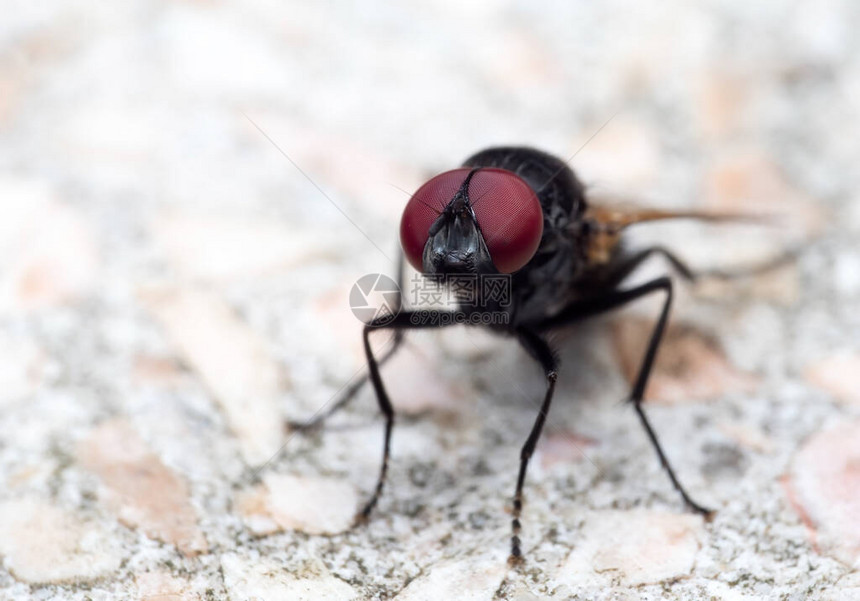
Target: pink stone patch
[(337, 322), (148, 370), (689, 367), (232, 360), (48, 252), (44, 544), (825, 485), (636, 547), (626, 155), (22, 364), (469, 579), (416, 382), (749, 179), (308, 504), (838, 374), (722, 98), (779, 284), (563, 446), (140, 489), (161, 586), (749, 437)]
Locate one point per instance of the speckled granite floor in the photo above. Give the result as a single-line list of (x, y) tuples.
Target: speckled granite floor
[(172, 289)]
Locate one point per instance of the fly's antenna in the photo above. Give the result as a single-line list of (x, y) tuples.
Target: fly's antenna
[(578, 150), (434, 209)]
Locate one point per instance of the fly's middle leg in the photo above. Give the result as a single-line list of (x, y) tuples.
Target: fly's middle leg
[(615, 299), (402, 321), (538, 348)]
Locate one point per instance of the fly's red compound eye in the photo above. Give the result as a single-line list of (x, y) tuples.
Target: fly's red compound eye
[(510, 217), (423, 209), (507, 209)]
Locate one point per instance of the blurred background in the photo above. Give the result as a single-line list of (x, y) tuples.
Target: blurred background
[(188, 191)]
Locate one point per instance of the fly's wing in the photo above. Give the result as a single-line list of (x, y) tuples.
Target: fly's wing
[(606, 222)]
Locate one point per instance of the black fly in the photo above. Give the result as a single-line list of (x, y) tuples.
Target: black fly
[(522, 214)]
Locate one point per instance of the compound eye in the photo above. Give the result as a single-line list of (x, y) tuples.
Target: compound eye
[(508, 212), (423, 209), (509, 215)]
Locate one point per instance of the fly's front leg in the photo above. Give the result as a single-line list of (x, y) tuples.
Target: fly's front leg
[(583, 308), (538, 348), (402, 321), (351, 392)]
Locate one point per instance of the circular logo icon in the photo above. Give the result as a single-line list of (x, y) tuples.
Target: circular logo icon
[(375, 298)]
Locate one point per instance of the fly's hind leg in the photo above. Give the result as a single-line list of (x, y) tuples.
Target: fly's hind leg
[(627, 264), (638, 392), (584, 308)]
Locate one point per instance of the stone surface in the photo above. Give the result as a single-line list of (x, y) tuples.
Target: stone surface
[(838, 374), (414, 382), (188, 192), (634, 547), (207, 248), (43, 544), (750, 179), (161, 586), (48, 249), (140, 489), (689, 366), (232, 361), (625, 156), (22, 366), (249, 579), (825, 485), (560, 447), (312, 505), (469, 580)]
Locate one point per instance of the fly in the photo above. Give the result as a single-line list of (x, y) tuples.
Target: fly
[(522, 214)]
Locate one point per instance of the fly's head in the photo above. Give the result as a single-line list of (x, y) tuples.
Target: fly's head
[(471, 221), (455, 244)]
